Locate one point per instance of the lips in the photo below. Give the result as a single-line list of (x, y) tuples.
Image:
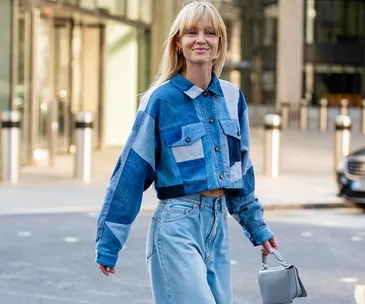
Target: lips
[(200, 49)]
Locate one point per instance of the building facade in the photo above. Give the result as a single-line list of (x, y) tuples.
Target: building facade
[(100, 55), (303, 48), (86, 55)]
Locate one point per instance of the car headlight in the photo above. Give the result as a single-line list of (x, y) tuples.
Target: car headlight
[(341, 166)]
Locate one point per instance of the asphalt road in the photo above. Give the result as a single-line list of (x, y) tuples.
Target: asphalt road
[(50, 259)]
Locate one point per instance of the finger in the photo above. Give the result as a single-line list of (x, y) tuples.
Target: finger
[(274, 243), (264, 252), (110, 270), (267, 246), (103, 270)]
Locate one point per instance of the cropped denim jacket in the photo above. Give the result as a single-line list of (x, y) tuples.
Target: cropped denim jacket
[(185, 140)]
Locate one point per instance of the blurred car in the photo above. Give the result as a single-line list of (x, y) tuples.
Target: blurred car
[(351, 177)]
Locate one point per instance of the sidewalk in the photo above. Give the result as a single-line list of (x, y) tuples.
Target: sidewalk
[(306, 178)]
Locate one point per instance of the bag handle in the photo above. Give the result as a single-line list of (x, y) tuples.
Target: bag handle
[(278, 257)]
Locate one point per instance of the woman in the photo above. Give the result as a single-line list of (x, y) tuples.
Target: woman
[(191, 139)]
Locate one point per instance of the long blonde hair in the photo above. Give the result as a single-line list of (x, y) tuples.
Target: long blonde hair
[(172, 61)]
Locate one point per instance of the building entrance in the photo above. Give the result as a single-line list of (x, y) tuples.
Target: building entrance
[(62, 72)]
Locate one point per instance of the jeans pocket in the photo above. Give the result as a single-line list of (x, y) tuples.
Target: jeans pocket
[(177, 211), (150, 247)]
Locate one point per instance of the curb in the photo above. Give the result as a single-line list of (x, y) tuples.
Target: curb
[(306, 206), (147, 210)]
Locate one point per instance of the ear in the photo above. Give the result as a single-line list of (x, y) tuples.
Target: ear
[(178, 42)]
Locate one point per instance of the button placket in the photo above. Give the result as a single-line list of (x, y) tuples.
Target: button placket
[(209, 134), (221, 177)]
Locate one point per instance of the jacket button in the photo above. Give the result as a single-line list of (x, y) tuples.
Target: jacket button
[(221, 176), (238, 133), (211, 120), (188, 139), (205, 93), (216, 148)]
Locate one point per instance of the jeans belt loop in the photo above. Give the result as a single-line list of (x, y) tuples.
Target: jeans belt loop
[(201, 202)]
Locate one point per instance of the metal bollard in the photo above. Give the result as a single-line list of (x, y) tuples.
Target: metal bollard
[(83, 141), (272, 145), (52, 131), (323, 115), (10, 143), (304, 114), (363, 116), (344, 107), (285, 109), (342, 138)]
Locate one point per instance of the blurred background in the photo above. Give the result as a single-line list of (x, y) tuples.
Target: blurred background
[(301, 62), (98, 55)]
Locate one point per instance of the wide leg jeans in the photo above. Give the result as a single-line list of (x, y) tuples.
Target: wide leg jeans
[(187, 251)]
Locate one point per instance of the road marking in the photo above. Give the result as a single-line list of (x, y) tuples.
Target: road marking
[(71, 239), (360, 294), (356, 238), (306, 233), (233, 262), (24, 233), (361, 233), (349, 280)]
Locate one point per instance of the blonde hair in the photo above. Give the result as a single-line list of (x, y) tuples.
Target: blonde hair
[(172, 61)]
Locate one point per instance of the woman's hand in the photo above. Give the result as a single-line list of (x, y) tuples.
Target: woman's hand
[(106, 270), (268, 245)]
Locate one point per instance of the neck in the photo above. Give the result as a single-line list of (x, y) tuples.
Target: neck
[(198, 75)]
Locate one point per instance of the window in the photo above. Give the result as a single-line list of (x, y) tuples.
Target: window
[(334, 21), (270, 25)]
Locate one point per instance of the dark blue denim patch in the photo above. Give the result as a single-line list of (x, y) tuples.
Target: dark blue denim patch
[(128, 191), (234, 146), (193, 170)]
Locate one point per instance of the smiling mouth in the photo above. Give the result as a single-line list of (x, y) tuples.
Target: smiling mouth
[(201, 49)]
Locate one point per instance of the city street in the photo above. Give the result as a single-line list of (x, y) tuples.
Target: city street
[(50, 258)]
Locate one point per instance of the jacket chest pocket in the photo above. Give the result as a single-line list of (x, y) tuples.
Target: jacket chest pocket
[(231, 128), (186, 142)]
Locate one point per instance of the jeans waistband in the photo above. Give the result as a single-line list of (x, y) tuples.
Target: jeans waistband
[(202, 200)]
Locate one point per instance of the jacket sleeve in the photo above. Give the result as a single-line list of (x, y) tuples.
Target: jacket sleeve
[(242, 203), (133, 174)]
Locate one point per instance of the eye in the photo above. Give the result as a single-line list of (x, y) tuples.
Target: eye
[(191, 32), (211, 33)]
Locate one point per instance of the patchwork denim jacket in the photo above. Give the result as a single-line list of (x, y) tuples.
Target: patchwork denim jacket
[(185, 140)]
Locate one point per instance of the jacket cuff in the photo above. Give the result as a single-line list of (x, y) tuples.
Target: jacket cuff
[(106, 258), (262, 235)]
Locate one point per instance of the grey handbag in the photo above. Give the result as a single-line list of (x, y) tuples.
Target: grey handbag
[(279, 285)]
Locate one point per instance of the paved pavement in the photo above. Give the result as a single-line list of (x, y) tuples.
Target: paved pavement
[(306, 177), (50, 259)]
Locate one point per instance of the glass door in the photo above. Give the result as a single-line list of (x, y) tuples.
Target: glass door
[(62, 61), (63, 85)]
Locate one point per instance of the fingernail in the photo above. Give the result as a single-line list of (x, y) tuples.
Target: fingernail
[(271, 250), (107, 269)]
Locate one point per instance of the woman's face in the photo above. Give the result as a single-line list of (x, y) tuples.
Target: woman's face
[(199, 44)]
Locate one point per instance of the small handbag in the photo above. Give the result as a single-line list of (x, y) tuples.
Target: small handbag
[(279, 285)]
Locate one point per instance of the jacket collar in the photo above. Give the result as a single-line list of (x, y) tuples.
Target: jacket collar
[(192, 90)]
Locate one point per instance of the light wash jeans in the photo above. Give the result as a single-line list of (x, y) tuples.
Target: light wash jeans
[(187, 251)]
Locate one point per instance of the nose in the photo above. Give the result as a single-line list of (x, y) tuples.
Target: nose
[(200, 38)]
